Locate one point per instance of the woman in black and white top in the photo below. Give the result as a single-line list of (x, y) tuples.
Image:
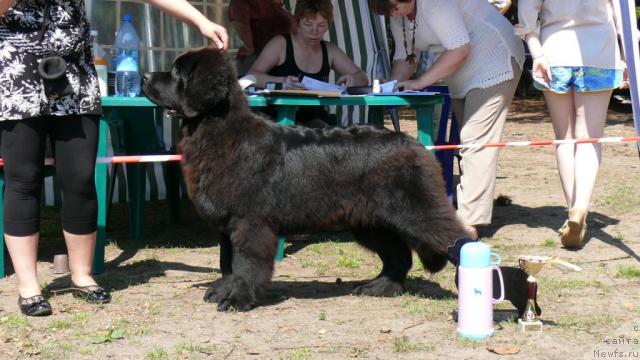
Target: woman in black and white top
[(31, 30)]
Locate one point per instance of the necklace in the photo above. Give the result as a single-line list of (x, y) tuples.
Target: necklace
[(411, 58)]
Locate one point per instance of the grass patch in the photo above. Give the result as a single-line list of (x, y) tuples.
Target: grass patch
[(15, 322), (322, 316), (549, 243), (403, 344), (622, 198), (628, 272), (300, 354), (189, 348), (584, 323), (157, 353)]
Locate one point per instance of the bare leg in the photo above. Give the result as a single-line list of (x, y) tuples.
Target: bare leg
[(81, 249), (562, 111), (591, 113), (24, 252)]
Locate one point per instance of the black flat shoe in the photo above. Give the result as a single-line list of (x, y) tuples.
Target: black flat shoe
[(34, 306), (93, 294)]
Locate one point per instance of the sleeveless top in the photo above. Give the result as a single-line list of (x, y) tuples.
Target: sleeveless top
[(67, 35), (289, 66), (304, 114)]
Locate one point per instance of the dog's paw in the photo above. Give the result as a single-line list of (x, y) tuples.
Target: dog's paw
[(220, 290), (237, 296), (382, 287)]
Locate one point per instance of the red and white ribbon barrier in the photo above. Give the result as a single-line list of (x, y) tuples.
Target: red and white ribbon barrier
[(619, 139), (133, 159)]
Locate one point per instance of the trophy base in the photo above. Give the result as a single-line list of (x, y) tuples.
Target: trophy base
[(529, 326)]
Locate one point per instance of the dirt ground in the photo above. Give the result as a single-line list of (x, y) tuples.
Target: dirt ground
[(157, 310)]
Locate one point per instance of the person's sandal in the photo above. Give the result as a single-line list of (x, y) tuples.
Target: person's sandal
[(93, 294), (34, 306)]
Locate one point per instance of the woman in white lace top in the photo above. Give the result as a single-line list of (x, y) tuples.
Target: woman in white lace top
[(577, 62), (481, 63)]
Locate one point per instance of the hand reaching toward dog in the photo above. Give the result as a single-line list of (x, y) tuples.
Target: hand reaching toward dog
[(216, 33)]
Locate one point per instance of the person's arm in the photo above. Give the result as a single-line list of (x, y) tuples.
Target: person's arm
[(183, 10), (352, 75), (448, 63), (540, 70), (270, 56), (244, 32), (445, 20), (528, 28), (401, 70), (5, 5)]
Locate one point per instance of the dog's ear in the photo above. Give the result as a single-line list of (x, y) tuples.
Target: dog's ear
[(208, 80)]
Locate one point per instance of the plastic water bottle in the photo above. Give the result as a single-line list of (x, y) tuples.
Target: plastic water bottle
[(127, 49), (100, 62), (475, 290)]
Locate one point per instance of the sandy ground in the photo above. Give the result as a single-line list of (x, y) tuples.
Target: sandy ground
[(157, 311)]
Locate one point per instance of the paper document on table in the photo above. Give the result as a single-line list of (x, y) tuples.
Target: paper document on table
[(313, 84), (388, 86), (388, 89)]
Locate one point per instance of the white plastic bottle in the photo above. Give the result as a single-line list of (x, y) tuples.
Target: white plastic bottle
[(100, 62), (127, 49)]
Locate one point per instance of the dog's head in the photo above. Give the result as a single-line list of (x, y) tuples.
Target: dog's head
[(200, 82)]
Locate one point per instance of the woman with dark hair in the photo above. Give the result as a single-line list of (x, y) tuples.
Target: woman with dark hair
[(287, 58), (31, 31), (481, 63)]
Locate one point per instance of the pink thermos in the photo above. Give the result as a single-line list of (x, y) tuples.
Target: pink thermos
[(475, 290)]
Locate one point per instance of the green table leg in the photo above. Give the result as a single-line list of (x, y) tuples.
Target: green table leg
[(286, 117), (425, 124), (376, 116), (101, 190)]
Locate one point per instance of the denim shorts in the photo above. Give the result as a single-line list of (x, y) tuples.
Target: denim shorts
[(581, 79)]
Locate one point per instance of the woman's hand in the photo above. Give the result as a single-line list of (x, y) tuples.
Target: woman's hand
[(625, 76), (292, 83), (541, 71), (409, 85), (346, 80), (218, 34)]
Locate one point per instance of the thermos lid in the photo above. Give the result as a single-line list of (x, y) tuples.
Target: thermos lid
[(475, 255)]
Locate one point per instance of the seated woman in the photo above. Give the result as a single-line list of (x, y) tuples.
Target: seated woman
[(286, 59)]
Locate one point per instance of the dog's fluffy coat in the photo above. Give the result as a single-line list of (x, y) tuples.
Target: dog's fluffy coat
[(253, 180)]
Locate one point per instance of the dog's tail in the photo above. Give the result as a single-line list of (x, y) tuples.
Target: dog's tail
[(431, 260)]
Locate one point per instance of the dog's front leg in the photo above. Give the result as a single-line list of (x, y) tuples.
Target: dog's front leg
[(226, 255), (254, 245)]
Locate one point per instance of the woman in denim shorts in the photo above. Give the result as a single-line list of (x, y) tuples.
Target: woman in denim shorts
[(577, 62)]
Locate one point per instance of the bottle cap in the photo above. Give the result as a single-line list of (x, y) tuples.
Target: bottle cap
[(475, 255), (126, 17)]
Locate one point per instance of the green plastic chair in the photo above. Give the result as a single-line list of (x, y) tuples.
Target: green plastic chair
[(137, 132)]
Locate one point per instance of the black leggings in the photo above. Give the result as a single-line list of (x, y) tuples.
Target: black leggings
[(22, 147)]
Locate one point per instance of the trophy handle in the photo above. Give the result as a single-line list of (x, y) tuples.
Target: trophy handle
[(501, 298)]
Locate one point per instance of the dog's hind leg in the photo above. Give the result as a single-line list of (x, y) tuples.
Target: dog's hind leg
[(254, 245), (226, 255), (396, 262)]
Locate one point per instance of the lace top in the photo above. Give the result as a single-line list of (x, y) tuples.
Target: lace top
[(453, 23), (22, 92), (573, 32)]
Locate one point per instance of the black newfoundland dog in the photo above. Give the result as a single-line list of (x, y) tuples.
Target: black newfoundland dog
[(253, 179)]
